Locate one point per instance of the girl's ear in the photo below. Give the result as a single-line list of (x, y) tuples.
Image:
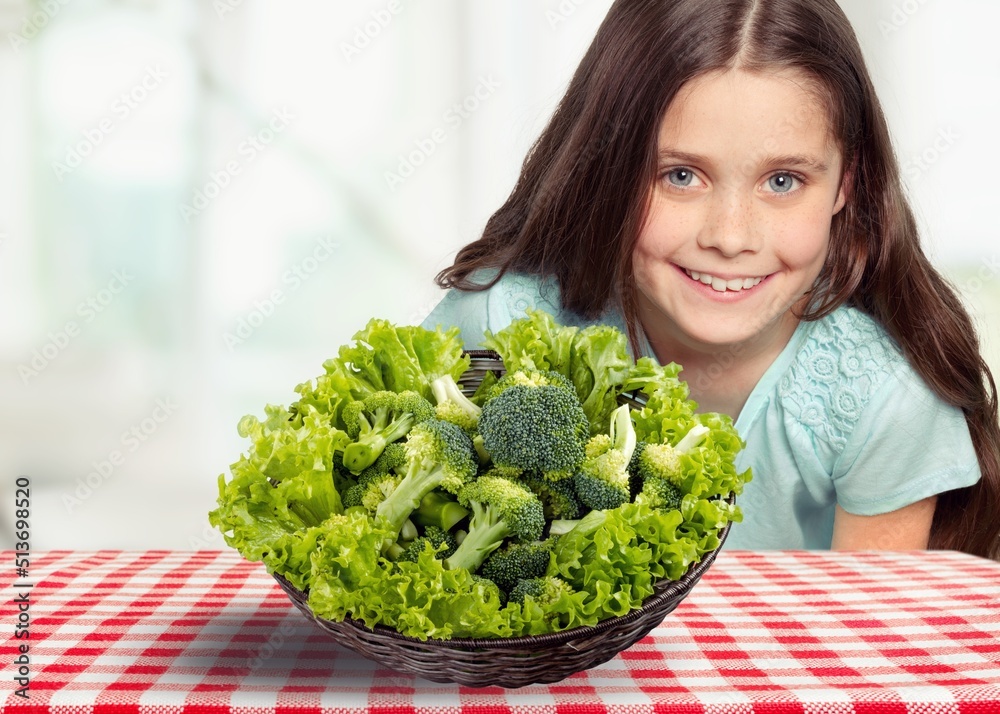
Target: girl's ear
[(846, 188)]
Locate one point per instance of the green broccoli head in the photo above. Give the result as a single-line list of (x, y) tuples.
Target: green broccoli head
[(543, 590), (529, 378), (439, 540), (602, 481), (559, 500), (501, 509), (370, 492), (391, 461), (660, 461), (540, 428), (380, 419), (657, 470), (438, 455), (663, 461), (517, 561), (659, 493), (657, 475)]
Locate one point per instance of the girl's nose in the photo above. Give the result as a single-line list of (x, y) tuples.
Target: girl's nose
[(729, 226)]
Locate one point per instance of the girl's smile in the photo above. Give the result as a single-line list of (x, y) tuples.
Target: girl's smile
[(722, 283), (738, 224)]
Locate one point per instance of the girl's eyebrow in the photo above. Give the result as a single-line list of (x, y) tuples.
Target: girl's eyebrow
[(791, 160)]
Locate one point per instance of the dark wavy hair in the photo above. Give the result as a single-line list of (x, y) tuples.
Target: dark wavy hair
[(579, 204)]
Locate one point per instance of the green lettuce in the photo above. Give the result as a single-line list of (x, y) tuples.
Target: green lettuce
[(419, 599), (283, 505)]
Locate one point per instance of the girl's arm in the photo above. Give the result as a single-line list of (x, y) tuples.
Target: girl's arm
[(906, 529)]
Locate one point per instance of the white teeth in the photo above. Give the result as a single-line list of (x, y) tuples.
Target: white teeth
[(720, 285)]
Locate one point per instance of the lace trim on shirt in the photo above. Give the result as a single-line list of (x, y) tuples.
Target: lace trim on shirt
[(844, 361), (526, 291)]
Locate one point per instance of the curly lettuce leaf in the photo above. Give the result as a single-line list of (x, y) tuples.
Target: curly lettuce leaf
[(398, 358), (616, 556), (419, 599), (282, 446), (649, 377), (596, 358), (599, 363), (570, 609), (534, 342), (277, 525)]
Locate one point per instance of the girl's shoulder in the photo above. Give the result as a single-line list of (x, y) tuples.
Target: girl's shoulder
[(474, 312), (843, 364)]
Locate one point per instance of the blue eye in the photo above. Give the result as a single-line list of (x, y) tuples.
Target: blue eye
[(782, 183), (680, 177)]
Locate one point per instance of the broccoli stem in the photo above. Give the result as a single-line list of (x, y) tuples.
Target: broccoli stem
[(622, 431), (435, 509), (445, 388), (406, 497), (362, 453), (485, 535), (692, 438), (481, 453), (409, 531)]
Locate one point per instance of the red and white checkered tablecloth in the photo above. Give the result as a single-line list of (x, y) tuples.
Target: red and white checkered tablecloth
[(773, 632)]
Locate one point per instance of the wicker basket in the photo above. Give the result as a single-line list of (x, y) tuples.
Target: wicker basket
[(513, 661)]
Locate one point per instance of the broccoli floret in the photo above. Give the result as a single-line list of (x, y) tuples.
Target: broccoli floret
[(530, 378), (659, 493), (540, 428), (657, 470), (440, 541), (635, 483), (664, 461), (602, 481), (377, 481), (370, 492), (500, 509), (544, 590), (452, 405), (438, 455), (391, 461), (378, 420), (439, 510), (558, 498), (517, 561)]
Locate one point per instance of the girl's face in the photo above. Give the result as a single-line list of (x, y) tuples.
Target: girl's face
[(739, 217)]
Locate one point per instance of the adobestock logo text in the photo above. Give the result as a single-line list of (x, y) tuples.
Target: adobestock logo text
[(60, 340), (127, 102)]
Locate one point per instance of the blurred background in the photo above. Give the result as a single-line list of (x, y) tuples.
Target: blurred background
[(201, 200)]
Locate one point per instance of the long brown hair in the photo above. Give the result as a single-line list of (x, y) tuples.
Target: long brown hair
[(579, 204)]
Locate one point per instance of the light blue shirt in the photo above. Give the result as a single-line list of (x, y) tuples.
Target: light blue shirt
[(839, 417)]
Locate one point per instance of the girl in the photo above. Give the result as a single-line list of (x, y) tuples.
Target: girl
[(719, 182)]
